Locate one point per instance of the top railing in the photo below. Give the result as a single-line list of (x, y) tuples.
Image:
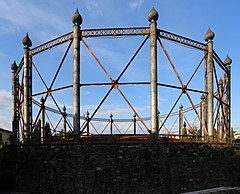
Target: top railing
[(115, 32)]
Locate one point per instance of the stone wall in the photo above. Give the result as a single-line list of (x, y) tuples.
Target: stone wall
[(118, 167)]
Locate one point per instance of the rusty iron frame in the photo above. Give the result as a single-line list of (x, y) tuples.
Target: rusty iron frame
[(184, 87), (115, 32)]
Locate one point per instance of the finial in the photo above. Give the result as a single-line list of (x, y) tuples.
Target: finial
[(220, 82), (181, 106), (77, 18), (203, 97), (228, 61), (184, 124), (26, 41), (64, 108), (87, 113), (153, 15), (134, 116), (42, 100), (111, 115), (209, 35), (14, 66)]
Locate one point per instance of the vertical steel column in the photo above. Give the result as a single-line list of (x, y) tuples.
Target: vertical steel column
[(42, 121), (134, 125), (206, 89), (111, 123), (30, 93), (64, 121), (228, 62), (26, 119), (209, 37), (17, 106), (220, 117), (152, 18), (202, 109), (14, 102), (180, 113), (87, 120), (77, 21)]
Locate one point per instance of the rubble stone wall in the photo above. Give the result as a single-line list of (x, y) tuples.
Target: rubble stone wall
[(118, 167)]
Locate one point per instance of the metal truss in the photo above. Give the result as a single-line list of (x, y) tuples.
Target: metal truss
[(116, 32), (180, 39)]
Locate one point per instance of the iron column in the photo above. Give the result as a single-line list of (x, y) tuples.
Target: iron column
[(111, 123), (14, 102), (134, 125), (152, 18), (88, 123), (209, 37), (77, 21), (202, 122), (180, 121), (30, 92), (64, 121), (26, 121), (228, 62), (42, 121), (220, 121)]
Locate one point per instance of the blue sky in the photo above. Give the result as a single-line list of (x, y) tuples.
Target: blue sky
[(45, 20)]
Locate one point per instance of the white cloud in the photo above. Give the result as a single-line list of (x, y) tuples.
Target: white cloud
[(25, 16), (5, 107), (136, 4), (6, 98), (115, 109), (94, 8)]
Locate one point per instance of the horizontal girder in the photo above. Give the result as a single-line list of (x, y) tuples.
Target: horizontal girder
[(180, 39), (114, 32)]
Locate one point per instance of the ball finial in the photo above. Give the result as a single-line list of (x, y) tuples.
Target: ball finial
[(153, 15), (77, 18), (26, 41), (14, 66), (181, 106), (87, 113), (203, 97), (64, 108), (42, 100), (209, 35), (228, 61), (220, 82)]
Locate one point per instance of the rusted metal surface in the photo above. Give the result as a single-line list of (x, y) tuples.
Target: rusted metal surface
[(76, 78), (151, 33), (209, 85), (115, 32), (114, 82), (180, 39), (152, 17), (184, 86)]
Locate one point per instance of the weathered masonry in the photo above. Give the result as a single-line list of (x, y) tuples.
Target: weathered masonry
[(131, 167), (23, 97)]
